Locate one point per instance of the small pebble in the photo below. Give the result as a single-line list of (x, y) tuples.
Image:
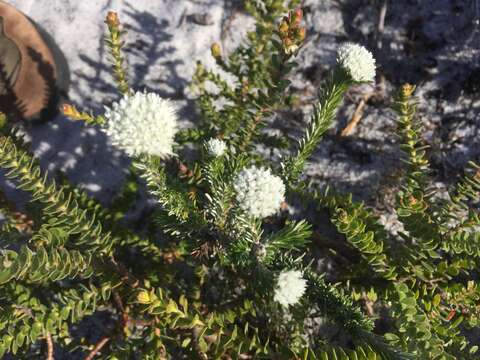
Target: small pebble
[(202, 19)]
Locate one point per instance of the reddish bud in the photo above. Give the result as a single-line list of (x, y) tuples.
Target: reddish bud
[(287, 42), (182, 168), (407, 90), (297, 16), (112, 19), (452, 314), (68, 110)]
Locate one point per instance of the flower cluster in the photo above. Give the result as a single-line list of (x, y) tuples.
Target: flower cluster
[(216, 147), (290, 31), (142, 123), (290, 287), (357, 61), (259, 192)]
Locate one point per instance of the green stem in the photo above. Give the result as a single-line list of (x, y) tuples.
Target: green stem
[(115, 44), (57, 203), (329, 100)]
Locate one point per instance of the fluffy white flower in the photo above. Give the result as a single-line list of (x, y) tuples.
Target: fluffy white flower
[(216, 147), (142, 123), (259, 192), (357, 61), (290, 287)]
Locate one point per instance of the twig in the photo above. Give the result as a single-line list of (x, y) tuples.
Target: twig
[(226, 25), (128, 278), (252, 127), (121, 309), (381, 23), (118, 302), (357, 115), (346, 254), (369, 305), (21, 221), (48, 338), (477, 14), (195, 336), (97, 348)]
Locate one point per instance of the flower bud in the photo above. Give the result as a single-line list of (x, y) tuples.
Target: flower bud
[(259, 192), (216, 147), (216, 50), (112, 19), (357, 62), (69, 110), (290, 287), (142, 124), (283, 28), (297, 16), (300, 34), (407, 90), (287, 43), (289, 46)]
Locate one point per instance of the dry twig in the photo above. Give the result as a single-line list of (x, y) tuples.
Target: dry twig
[(381, 23), (357, 115), (103, 341), (48, 338)]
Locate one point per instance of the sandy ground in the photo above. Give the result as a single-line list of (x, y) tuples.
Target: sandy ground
[(432, 43), (165, 39)]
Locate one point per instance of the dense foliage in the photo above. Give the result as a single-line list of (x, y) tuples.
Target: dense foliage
[(220, 269)]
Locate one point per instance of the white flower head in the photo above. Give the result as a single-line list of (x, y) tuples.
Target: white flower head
[(357, 61), (142, 123), (290, 287), (259, 192), (216, 147)]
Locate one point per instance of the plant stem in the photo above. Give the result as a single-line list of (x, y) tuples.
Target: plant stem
[(103, 341), (49, 341)]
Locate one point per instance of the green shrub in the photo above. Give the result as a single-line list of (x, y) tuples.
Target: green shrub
[(219, 269)]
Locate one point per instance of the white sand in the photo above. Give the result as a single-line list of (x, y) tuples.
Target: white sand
[(164, 41)]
